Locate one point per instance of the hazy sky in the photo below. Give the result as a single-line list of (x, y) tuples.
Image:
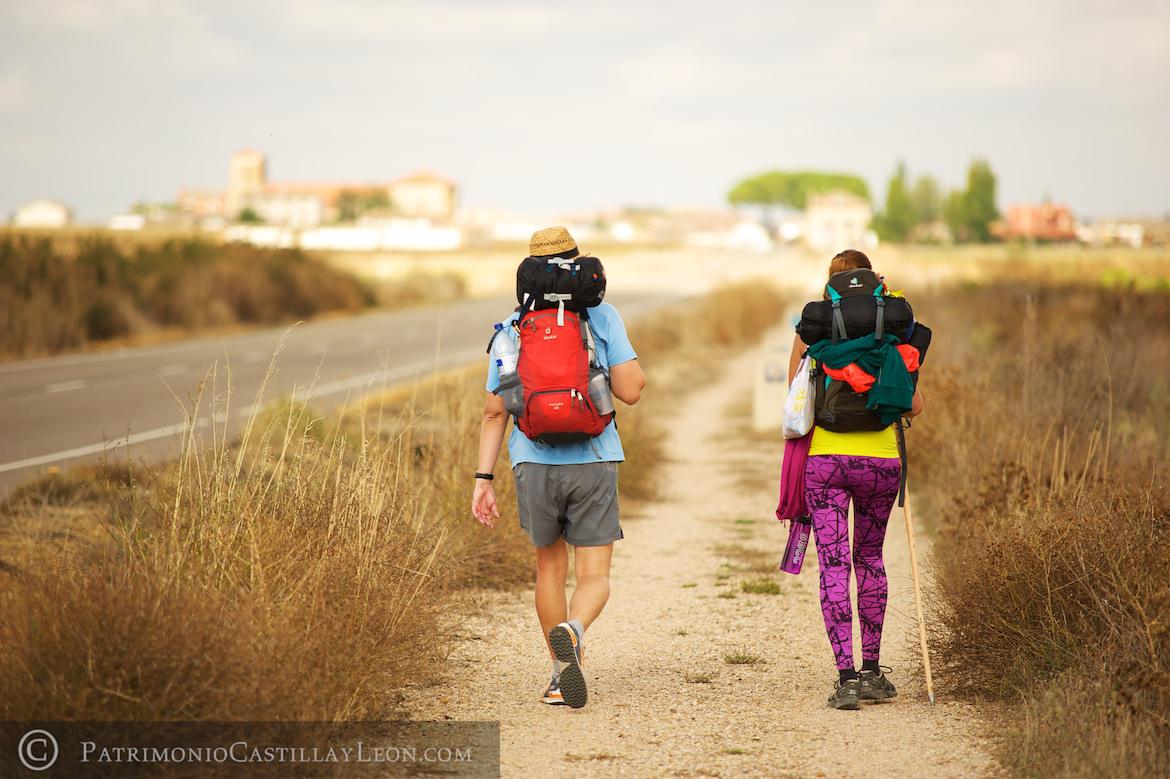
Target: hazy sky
[(548, 106)]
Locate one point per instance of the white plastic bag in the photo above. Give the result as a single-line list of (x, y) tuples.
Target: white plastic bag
[(800, 405)]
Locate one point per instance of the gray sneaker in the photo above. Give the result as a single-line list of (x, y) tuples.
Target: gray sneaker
[(876, 686), (845, 695), (566, 645), (552, 695)]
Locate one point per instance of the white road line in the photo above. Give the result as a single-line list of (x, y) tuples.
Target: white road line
[(372, 379), (104, 446), (247, 337), (64, 386)]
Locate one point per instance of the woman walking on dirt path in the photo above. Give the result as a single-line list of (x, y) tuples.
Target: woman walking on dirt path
[(863, 467)]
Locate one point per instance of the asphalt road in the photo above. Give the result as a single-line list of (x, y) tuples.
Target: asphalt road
[(75, 408)]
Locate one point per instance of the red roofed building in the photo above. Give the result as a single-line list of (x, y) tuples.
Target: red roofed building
[(419, 195), (1039, 222)]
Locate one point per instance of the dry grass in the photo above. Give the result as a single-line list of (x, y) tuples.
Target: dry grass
[(742, 657), (1044, 453), (294, 576), (306, 570), (761, 585)]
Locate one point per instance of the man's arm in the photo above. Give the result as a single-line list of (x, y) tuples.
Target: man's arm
[(627, 382), (491, 438)]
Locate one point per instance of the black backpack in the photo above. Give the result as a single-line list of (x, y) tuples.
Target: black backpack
[(857, 305), (850, 309), (547, 282)]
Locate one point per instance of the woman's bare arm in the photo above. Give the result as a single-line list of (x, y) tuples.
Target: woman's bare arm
[(798, 347), (915, 404)]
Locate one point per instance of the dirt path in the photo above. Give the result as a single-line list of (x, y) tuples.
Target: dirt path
[(664, 698)]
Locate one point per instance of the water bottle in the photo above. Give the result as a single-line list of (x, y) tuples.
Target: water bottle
[(507, 355), (504, 351), (599, 391), (799, 531)]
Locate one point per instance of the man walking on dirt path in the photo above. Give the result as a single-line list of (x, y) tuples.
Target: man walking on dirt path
[(566, 491)]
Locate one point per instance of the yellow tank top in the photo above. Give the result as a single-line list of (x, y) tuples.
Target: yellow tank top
[(879, 443)]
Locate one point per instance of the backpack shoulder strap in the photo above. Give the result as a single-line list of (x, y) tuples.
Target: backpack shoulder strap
[(587, 335), (839, 332)]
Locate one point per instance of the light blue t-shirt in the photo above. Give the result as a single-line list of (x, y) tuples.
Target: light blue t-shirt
[(613, 348)]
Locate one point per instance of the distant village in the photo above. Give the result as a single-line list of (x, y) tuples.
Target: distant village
[(421, 212)]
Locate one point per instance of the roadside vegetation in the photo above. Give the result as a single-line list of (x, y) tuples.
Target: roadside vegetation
[(1044, 457), (307, 569), (65, 294)]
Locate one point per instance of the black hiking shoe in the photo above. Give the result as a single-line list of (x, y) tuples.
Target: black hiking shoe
[(566, 645), (845, 695), (876, 686)]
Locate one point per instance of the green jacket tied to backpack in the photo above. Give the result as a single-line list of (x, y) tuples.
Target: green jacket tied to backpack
[(893, 391)]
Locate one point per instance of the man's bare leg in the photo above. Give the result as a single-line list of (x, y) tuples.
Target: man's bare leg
[(552, 569), (589, 597), (592, 590)]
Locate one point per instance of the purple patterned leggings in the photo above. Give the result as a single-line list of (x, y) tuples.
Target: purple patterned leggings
[(872, 482)]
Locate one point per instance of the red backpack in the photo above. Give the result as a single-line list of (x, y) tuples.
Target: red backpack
[(554, 371)]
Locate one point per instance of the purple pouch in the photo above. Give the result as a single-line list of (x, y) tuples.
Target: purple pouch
[(791, 504)]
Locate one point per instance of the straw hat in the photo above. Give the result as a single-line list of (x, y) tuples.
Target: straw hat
[(552, 241)]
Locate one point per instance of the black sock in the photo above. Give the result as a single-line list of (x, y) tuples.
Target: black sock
[(871, 665), (846, 674)]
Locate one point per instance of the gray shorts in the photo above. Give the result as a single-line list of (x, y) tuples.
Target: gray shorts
[(576, 502)]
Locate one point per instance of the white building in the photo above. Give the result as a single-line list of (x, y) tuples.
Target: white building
[(127, 222), (295, 211), (1112, 232), (838, 220), (423, 194), (247, 177), (386, 235), (42, 213)]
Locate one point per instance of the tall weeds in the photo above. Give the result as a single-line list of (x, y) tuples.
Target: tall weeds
[(1044, 454), (295, 575)]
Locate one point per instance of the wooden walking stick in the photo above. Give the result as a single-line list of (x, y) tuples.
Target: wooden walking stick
[(904, 502)]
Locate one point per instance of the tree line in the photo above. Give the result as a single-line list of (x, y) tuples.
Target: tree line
[(917, 210)]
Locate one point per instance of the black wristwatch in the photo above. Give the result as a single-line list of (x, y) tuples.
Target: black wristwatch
[(485, 476)]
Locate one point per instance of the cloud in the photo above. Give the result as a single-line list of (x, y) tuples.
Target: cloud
[(15, 91), (373, 20), (165, 38), (97, 15)]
